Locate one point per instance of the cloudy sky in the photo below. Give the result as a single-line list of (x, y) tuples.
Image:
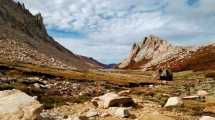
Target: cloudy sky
[(105, 29)]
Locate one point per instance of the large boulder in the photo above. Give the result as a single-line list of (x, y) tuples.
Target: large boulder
[(202, 93), (164, 74), (16, 105), (124, 93), (112, 100), (173, 102), (120, 112), (207, 118), (92, 113)]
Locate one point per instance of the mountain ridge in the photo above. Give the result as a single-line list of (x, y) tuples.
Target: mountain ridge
[(28, 31), (154, 52)]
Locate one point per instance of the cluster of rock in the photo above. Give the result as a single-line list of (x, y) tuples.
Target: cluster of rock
[(17, 52), (116, 105), (16, 105), (107, 105), (74, 89), (178, 102)]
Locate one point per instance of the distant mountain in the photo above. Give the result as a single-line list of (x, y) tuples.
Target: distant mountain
[(93, 62), (111, 66), (23, 38), (154, 52)]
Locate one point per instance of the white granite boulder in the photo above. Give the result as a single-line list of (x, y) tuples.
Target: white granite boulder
[(207, 118), (120, 112), (173, 101), (202, 93), (112, 100), (16, 105)]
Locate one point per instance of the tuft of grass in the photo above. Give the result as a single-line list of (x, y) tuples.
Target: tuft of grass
[(7, 86), (51, 101), (161, 99), (210, 75), (191, 107), (183, 75), (80, 99)]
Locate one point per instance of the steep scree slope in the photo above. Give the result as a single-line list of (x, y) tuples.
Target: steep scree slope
[(23, 38)]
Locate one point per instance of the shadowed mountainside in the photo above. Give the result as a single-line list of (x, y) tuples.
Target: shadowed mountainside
[(24, 39)]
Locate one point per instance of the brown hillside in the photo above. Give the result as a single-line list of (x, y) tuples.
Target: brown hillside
[(24, 38)]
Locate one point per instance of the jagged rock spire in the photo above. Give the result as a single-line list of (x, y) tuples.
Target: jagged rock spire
[(151, 48)]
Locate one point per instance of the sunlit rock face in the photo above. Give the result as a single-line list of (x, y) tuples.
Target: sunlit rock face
[(153, 53)]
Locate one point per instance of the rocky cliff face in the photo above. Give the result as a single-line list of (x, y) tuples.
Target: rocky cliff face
[(154, 52), (24, 39)]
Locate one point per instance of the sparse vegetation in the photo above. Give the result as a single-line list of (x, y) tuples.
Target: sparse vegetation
[(185, 83), (192, 107), (81, 99), (51, 101), (210, 74), (71, 85), (6, 86), (112, 76)]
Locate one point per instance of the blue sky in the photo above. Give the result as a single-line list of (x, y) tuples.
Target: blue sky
[(106, 29)]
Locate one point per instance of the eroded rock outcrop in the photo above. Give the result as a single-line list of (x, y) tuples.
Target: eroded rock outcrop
[(150, 52)]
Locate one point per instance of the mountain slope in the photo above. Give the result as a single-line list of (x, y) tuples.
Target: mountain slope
[(154, 52), (24, 38), (202, 58)]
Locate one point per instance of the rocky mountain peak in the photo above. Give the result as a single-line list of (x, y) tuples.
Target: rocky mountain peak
[(154, 52), (153, 40), (150, 51), (151, 46)]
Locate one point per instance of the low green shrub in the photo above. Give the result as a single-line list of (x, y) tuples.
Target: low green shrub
[(6, 86), (210, 75), (51, 101), (80, 99)]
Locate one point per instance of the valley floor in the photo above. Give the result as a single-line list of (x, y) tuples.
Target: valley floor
[(66, 94), (150, 100)]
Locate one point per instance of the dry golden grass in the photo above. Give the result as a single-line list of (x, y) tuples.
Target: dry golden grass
[(119, 77), (114, 76)]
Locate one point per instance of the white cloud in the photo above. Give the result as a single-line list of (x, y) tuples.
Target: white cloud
[(111, 26)]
